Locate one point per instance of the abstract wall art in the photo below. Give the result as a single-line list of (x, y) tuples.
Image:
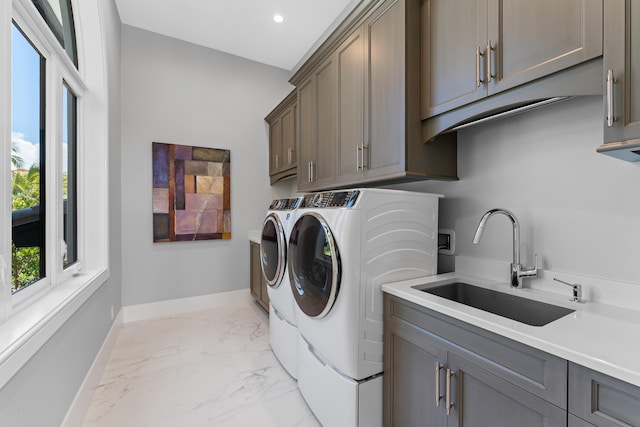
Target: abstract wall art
[(191, 193)]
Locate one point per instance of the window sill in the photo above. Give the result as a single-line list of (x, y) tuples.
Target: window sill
[(23, 334)]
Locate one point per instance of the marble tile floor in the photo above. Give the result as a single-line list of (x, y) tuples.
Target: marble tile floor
[(207, 368)]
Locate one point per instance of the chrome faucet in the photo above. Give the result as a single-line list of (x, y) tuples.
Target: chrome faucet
[(517, 270)]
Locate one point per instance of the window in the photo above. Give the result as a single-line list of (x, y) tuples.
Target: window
[(69, 173), (59, 17), (27, 174), (64, 97), (46, 96)]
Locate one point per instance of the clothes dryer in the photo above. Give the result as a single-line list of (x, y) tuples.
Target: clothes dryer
[(343, 247), (283, 331)]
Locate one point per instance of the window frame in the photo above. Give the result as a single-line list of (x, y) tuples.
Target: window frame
[(59, 71), (25, 329)]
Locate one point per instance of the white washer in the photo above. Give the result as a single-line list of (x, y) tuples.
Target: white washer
[(342, 248), (283, 330)]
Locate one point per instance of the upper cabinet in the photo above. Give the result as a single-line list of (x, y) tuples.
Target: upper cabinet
[(498, 45), (622, 80), (359, 104), (317, 106), (282, 139)]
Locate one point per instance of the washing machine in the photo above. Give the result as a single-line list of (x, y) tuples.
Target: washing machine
[(283, 331), (343, 246)]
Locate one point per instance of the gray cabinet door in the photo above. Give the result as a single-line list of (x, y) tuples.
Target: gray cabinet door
[(532, 39), (282, 139), (412, 364), (317, 110), (602, 400), (578, 422), (288, 125), (323, 169), (350, 63), (479, 398), (454, 36), (622, 57), (497, 45), (275, 147), (385, 97), (306, 132), (257, 282)]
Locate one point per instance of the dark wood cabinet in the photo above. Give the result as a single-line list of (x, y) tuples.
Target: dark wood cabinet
[(498, 45), (282, 139), (317, 106), (359, 104), (442, 372), (258, 284), (621, 75)]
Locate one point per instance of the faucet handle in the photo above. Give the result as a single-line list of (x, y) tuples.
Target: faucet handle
[(577, 289), (530, 272)]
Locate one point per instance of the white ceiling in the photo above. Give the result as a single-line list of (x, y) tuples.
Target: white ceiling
[(241, 27)]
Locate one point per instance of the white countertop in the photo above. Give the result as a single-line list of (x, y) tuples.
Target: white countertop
[(254, 236), (602, 337)]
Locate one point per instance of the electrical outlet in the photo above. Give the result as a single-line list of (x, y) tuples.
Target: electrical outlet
[(446, 241)]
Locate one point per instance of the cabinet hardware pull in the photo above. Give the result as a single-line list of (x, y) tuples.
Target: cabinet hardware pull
[(479, 79), (277, 161), (490, 49), (610, 111), (438, 395), (311, 171), (448, 403), (360, 157), (290, 153), (362, 165)]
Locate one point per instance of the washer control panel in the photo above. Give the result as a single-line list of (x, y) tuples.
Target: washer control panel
[(285, 204), (330, 199)]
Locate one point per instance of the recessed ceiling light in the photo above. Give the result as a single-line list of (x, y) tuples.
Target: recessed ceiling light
[(278, 18)]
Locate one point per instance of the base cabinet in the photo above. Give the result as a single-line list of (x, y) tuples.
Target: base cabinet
[(597, 399), (258, 284), (439, 372)]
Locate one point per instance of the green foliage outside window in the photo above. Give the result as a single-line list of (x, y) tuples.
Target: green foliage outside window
[(25, 262)]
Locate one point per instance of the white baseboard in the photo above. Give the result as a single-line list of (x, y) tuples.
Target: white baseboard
[(78, 409), (153, 310)]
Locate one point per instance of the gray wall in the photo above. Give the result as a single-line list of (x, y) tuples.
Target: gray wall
[(180, 93), (578, 210), (41, 392)]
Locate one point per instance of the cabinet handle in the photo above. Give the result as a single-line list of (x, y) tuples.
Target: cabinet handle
[(610, 109), (363, 149), (489, 54), (479, 55), (290, 152), (311, 171), (308, 171), (449, 404), (277, 161), (360, 157), (438, 395)]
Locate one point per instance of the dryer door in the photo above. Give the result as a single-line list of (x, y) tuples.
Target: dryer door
[(273, 250), (314, 265)]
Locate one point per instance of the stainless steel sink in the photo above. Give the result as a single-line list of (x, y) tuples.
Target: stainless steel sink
[(534, 313)]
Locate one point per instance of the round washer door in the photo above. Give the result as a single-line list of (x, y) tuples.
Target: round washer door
[(273, 250), (314, 265)]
